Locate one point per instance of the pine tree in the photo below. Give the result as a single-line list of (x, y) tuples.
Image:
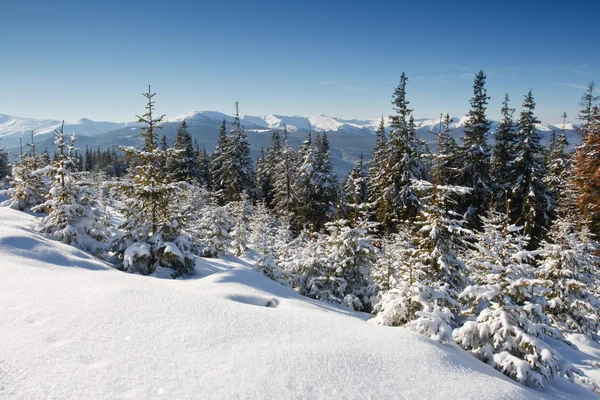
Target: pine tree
[(504, 154), (428, 272), (355, 192), (587, 164), (404, 163), (152, 209), (558, 171), (569, 264), (182, 162), (204, 173), (446, 168), (212, 229), (507, 326), (318, 185), (241, 211), (27, 184), (529, 195), (263, 178), (285, 181), (474, 154), (218, 160), (5, 167), (73, 212), (377, 178), (238, 175), (587, 103)]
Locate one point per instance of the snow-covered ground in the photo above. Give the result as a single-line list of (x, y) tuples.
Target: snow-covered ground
[(73, 327)]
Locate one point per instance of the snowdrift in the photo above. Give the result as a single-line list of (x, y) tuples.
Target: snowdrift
[(73, 327)]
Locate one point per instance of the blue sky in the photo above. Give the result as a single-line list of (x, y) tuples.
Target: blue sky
[(73, 59)]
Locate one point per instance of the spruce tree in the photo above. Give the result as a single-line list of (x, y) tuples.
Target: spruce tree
[(182, 162), (152, 208), (377, 179), (27, 184), (238, 175), (285, 181), (355, 192), (557, 162), (587, 103), (217, 161), (404, 163), (529, 195), (474, 154), (504, 155), (73, 213), (507, 326), (568, 263)]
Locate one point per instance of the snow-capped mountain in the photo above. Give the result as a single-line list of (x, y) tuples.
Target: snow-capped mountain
[(13, 128)]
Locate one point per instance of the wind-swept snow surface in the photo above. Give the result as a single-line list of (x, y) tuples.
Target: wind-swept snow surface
[(73, 327)]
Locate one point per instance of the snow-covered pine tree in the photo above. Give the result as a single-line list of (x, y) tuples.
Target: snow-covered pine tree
[(272, 160), (152, 209), (73, 213), (558, 163), (217, 164), (529, 195), (587, 165), (263, 239), (212, 229), (241, 212), (504, 155), (334, 266), (377, 178), (285, 181), (264, 186), (446, 166), (431, 273), (473, 156), (182, 162), (569, 264), (507, 326), (318, 187), (354, 190), (5, 167), (404, 163), (27, 183), (203, 161), (238, 175)]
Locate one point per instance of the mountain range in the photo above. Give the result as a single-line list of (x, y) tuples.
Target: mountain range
[(348, 138)]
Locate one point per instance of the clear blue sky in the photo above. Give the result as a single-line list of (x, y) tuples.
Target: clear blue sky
[(73, 59)]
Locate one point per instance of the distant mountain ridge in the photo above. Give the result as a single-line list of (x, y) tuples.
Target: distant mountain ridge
[(348, 138)]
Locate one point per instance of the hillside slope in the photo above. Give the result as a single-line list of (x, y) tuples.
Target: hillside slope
[(73, 327)]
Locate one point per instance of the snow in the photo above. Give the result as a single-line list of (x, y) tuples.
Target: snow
[(73, 327)]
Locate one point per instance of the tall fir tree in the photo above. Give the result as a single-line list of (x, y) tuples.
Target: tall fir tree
[(474, 154), (73, 213), (285, 181), (377, 179), (238, 175), (152, 208), (504, 155), (530, 205), (588, 100), (354, 191), (404, 163), (182, 161), (217, 164)]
